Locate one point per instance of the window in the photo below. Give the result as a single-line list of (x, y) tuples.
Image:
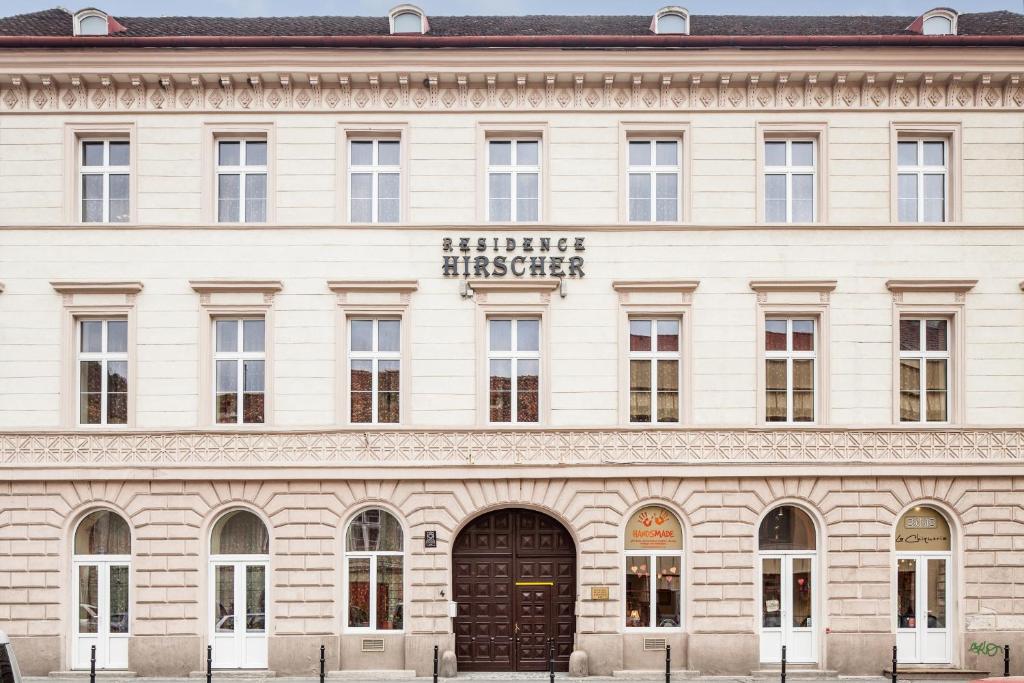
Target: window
[(408, 22), (374, 370), (103, 372), (654, 370), (239, 370), (241, 180), (654, 180), (654, 569), (938, 26), (514, 360), (105, 179), (789, 349), (669, 20), (922, 180), (374, 181), (91, 22), (513, 180), (373, 572), (789, 182), (924, 369)]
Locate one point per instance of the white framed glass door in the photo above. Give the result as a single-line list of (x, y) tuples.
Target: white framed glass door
[(238, 613), (923, 608), (788, 605), (102, 617)]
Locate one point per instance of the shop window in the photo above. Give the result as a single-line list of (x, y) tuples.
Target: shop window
[(374, 574), (654, 569)]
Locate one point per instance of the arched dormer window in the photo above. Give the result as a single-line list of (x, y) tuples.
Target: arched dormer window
[(408, 19), (671, 20), (939, 22), (91, 22)]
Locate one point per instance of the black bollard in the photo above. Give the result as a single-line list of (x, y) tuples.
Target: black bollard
[(209, 663), (92, 665), (668, 664), (783, 671), (893, 664), (1006, 661), (551, 659), (435, 664), (323, 663)]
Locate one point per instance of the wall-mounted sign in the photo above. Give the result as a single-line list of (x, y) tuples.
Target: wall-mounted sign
[(599, 593), (429, 539), (512, 256), (653, 528), (923, 528)]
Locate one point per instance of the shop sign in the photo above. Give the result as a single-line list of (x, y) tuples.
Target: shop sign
[(512, 257), (923, 528), (653, 528)]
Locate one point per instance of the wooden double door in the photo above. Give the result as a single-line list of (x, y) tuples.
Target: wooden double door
[(515, 586)]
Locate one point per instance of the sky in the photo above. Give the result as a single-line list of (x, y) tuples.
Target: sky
[(380, 7)]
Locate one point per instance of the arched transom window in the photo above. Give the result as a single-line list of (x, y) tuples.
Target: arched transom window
[(374, 571), (103, 533), (787, 528), (239, 532), (654, 568)]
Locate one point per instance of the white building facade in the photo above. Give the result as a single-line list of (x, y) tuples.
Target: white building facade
[(594, 335)]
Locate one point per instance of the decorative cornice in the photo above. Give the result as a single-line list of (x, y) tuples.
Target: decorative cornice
[(96, 287), (519, 91), (524, 285), (681, 286), (235, 286), (930, 285), (793, 285), (401, 286), (411, 448)]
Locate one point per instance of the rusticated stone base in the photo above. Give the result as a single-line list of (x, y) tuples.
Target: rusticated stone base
[(38, 655), (859, 654), (723, 654), (295, 655), (604, 652)]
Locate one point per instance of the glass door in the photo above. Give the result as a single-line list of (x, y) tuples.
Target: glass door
[(787, 608), (102, 614), (238, 614), (922, 604)]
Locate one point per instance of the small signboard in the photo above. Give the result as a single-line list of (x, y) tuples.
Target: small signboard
[(599, 593), (430, 539)]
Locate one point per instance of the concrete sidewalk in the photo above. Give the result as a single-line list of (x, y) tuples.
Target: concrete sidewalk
[(538, 677)]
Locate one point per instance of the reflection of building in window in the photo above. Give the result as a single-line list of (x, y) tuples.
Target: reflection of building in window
[(374, 572)]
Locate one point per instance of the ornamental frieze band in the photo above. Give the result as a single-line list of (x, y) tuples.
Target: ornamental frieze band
[(520, 92), (509, 448)]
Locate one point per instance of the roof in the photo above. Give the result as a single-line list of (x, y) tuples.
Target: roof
[(58, 23)]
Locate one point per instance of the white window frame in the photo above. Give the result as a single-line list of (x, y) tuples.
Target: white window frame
[(652, 171), (923, 356), (652, 557), (655, 356), (374, 170), (789, 170), (920, 170), (515, 355), (238, 356), (104, 357), (105, 170), (372, 556), (374, 355), (514, 169), (242, 170), (789, 355)]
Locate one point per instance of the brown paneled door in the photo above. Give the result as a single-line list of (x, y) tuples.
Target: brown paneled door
[(515, 585)]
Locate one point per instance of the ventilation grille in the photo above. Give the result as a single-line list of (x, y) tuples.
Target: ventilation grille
[(654, 644), (373, 645)]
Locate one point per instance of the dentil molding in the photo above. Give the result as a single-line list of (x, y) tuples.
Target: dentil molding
[(515, 92)]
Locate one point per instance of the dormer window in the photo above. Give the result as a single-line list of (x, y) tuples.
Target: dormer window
[(91, 22), (671, 20), (408, 19), (939, 22)]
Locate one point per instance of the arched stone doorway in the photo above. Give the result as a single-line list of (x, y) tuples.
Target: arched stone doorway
[(515, 585)]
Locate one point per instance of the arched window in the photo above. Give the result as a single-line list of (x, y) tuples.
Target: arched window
[(787, 528), (103, 533), (654, 569), (101, 566), (938, 26), (671, 20), (374, 571), (91, 23), (924, 587), (408, 19), (239, 532), (787, 542)]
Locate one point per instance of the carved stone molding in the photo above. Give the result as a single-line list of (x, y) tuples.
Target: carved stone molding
[(519, 91), (456, 448)]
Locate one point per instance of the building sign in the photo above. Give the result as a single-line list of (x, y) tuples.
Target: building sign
[(512, 256), (599, 593), (923, 528), (430, 539), (653, 528)]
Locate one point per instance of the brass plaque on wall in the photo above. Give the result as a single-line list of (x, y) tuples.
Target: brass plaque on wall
[(599, 593)]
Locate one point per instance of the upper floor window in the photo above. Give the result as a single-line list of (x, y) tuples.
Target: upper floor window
[(513, 358), (924, 369), (408, 19), (239, 370), (671, 20), (789, 181), (374, 181), (105, 172), (513, 180), (91, 22), (241, 180), (654, 180), (922, 180), (654, 370), (790, 355), (103, 371), (375, 361), (939, 22)]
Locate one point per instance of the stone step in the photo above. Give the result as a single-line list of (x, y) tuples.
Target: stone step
[(105, 674), (654, 675), (236, 674), (911, 672), (795, 672), (371, 675)]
